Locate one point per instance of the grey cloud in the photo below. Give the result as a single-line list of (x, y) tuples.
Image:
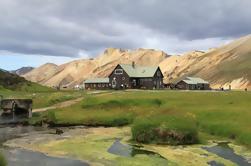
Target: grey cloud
[(64, 27)]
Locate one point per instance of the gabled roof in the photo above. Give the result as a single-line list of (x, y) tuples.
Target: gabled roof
[(139, 71), (194, 80), (97, 80)]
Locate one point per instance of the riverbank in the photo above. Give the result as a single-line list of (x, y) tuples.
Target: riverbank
[(24, 157), (113, 146)]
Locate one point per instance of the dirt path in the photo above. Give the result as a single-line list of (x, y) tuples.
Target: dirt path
[(59, 105), (68, 103)]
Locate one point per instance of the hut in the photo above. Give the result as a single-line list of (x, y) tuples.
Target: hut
[(97, 83), (192, 83)]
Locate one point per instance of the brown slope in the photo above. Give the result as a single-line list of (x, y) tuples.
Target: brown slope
[(42, 73), (227, 65), (76, 72)]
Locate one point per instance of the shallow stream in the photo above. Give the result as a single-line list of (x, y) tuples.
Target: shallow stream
[(21, 157)]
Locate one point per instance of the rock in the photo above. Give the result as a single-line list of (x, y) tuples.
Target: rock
[(59, 131)]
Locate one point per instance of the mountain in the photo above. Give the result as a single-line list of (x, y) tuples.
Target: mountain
[(77, 71), (224, 66), (227, 65), (42, 73), (22, 70), (10, 81)]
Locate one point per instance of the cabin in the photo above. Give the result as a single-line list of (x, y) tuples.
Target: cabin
[(132, 76), (193, 83), (97, 84)]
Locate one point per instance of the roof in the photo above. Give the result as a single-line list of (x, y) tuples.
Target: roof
[(97, 80), (194, 80), (139, 71)]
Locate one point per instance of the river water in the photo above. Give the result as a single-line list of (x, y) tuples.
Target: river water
[(21, 157)]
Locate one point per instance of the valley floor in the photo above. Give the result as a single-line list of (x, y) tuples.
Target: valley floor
[(112, 146), (200, 118)]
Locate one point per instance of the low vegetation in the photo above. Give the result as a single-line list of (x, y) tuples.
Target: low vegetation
[(13, 82), (44, 98), (2, 160), (167, 129), (165, 117)]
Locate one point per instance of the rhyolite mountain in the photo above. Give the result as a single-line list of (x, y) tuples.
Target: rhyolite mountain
[(77, 71), (227, 65), (22, 70)]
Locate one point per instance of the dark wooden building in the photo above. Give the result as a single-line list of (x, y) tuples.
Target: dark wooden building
[(97, 83), (192, 83), (136, 77)]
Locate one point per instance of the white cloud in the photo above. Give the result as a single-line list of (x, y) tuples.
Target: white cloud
[(80, 28)]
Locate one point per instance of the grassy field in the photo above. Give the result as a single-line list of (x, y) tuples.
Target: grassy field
[(14, 86), (42, 98), (157, 116)]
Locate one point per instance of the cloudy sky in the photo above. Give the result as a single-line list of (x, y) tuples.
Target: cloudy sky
[(33, 32)]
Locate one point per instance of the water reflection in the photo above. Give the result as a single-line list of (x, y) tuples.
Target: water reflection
[(224, 151)]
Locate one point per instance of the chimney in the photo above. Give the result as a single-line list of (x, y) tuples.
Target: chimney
[(133, 64)]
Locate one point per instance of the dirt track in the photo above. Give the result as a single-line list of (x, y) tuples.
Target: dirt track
[(67, 103), (59, 105)]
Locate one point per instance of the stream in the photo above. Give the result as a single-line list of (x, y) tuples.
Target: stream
[(223, 150), (21, 157)]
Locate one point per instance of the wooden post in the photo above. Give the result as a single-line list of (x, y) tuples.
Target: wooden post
[(13, 110), (30, 112)]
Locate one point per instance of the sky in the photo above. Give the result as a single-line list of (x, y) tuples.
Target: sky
[(34, 32)]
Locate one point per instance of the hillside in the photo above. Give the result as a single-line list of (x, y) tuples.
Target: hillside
[(42, 73), (22, 70), (229, 64), (76, 72), (224, 66), (9, 81)]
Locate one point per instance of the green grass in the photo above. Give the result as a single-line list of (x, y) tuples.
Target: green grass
[(14, 82), (224, 114), (2, 160), (167, 129), (43, 98)]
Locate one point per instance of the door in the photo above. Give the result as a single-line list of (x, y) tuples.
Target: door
[(158, 84), (114, 83)]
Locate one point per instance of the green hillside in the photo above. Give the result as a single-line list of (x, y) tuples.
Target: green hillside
[(14, 82)]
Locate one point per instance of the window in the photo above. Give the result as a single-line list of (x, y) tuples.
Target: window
[(158, 74), (118, 71)]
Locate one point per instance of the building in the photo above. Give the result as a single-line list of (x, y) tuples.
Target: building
[(97, 83), (193, 83), (136, 77)]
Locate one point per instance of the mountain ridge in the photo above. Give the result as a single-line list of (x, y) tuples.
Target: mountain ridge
[(215, 65), (22, 70)]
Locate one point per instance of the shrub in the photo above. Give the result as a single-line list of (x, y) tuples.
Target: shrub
[(2, 160), (171, 130), (142, 130), (157, 102), (51, 117)]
